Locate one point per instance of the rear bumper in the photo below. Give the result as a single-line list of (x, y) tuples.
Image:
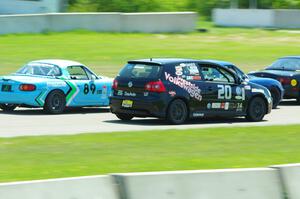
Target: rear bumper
[(20, 98), (291, 92), (140, 108)]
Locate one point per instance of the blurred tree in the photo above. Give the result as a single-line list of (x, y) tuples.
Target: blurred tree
[(204, 7)]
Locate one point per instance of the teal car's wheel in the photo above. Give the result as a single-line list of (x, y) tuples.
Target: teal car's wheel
[(256, 110), (8, 107), (55, 102), (177, 112)]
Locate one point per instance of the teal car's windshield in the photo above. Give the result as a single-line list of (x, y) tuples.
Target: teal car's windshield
[(291, 64), (41, 69)]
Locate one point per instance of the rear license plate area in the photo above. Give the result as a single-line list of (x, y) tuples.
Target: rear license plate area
[(127, 103), (6, 88)]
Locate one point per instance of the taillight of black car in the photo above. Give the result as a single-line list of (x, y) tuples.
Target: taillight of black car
[(284, 80), (155, 86)]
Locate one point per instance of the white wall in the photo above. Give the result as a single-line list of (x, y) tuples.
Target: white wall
[(207, 184), (35, 23), (102, 22), (30, 7), (287, 18), (158, 22), (94, 187), (257, 18), (243, 17), (290, 176)]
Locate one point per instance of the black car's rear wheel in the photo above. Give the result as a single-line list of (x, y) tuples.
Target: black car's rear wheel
[(177, 112), (55, 102), (8, 107), (276, 97), (256, 110), (298, 100), (124, 117)]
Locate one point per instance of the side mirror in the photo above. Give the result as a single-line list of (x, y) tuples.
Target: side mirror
[(240, 80)]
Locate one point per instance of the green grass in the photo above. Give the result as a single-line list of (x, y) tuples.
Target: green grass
[(28, 158), (106, 53)]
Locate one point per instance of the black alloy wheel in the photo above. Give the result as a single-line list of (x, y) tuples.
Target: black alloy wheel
[(256, 110), (276, 97), (55, 102), (177, 112)]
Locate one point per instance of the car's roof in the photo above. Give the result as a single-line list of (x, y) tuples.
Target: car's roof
[(293, 57), (58, 62), (162, 61), (223, 63)]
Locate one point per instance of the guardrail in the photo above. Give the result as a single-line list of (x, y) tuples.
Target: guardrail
[(280, 18), (102, 22), (209, 184), (290, 179), (90, 187), (276, 182)]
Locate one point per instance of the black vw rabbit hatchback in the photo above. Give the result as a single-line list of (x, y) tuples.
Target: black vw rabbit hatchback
[(179, 89)]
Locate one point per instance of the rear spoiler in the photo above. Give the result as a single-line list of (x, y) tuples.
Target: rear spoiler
[(144, 62)]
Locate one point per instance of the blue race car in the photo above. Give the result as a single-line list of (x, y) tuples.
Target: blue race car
[(274, 86), (54, 85)]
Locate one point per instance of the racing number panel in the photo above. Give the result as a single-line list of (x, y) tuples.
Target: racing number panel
[(221, 93), (90, 88)]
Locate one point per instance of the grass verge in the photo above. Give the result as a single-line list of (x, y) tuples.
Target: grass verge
[(106, 53)]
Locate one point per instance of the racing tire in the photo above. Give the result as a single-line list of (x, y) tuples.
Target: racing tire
[(276, 97), (8, 107), (177, 112), (124, 117), (298, 100), (257, 109), (55, 102)]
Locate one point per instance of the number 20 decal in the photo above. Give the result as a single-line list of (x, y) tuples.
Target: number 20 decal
[(88, 88), (224, 92)]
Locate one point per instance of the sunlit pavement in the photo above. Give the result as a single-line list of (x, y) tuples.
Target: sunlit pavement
[(26, 122)]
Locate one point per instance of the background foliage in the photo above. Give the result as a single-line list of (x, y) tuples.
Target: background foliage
[(204, 7)]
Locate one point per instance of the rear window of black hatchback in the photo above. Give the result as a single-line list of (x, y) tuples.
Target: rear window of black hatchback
[(141, 71)]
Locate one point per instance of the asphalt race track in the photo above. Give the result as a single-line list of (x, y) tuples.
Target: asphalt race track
[(27, 122)]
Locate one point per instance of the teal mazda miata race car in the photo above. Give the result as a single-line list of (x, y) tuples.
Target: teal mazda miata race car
[(54, 85)]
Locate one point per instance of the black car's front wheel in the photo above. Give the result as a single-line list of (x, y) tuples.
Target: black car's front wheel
[(177, 112), (55, 102), (8, 107), (257, 109), (276, 97)]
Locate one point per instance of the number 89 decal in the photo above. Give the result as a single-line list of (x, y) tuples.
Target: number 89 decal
[(224, 92), (89, 88)]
